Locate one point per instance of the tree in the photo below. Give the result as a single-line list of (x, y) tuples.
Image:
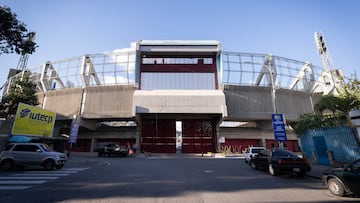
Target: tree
[(21, 90), (339, 106), (14, 37), (327, 102)]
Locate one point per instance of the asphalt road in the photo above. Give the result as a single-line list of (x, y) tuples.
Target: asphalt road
[(161, 179)]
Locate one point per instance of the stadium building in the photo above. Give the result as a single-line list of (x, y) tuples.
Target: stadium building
[(168, 96)]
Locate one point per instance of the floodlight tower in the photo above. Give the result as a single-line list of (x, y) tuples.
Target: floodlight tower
[(325, 54), (25, 56), (21, 64)]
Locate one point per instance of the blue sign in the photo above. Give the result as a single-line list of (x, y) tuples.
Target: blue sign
[(74, 131), (279, 127)]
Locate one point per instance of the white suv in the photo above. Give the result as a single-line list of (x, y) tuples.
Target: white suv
[(21, 155), (251, 152)]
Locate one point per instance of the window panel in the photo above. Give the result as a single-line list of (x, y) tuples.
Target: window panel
[(186, 81)]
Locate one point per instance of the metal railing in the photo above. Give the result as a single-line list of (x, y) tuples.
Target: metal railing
[(236, 68)]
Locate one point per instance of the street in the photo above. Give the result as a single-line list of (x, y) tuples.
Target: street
[(167, 178)]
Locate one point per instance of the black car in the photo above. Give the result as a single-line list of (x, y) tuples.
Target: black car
[(278, 161), (111, 148), (342, 181)]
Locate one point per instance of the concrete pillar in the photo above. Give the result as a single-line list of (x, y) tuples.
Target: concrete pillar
[(138, 140), (263, 142), (92, 144)]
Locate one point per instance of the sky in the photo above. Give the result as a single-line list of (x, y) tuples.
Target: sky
[(68, 28)]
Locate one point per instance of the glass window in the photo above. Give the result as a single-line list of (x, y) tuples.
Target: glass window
[(8, 147), (26, 148), (178, 81)]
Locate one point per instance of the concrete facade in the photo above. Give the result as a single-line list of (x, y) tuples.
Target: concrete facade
[(124, 103), (181, 81)]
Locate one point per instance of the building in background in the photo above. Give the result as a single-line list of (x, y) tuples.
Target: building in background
[(164, 95)]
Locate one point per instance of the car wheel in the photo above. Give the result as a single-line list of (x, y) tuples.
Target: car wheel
[(48, 164), (99, 154), (59, 166), (7, 165), (336, 187), (253, 165), (272, 170)]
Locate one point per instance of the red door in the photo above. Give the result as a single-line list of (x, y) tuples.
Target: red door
[(158, 135), (198, 136)]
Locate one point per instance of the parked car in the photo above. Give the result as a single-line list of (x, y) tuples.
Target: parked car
[(21, 155), (277, 161), (111, 148), (250, 152), (342, 181)]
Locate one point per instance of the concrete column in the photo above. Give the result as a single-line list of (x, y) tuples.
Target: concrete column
[(92, 143), (138, 140)]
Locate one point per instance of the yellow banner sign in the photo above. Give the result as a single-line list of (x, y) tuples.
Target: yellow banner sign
[(31, 120)]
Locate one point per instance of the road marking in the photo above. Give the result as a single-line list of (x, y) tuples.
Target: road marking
[(14, 187), (20, 182), (208, 171), (50, 172), (39, 174), (28, 179)]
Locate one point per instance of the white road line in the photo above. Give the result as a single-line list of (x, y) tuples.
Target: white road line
[(74, 169), (27, 178), (50, 172), (20, 182), (14, 187), (39, 174)]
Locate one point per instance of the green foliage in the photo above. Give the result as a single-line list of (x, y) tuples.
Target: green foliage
[(350, 96), (22, 90), (339, 106), (327, 102), (14, 37), (316, 121)]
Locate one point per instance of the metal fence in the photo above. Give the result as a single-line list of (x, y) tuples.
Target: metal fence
[(337, 143), (235, 68)]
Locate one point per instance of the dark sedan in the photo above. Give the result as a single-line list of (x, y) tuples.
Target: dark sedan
[(341, 181), (278, 161)]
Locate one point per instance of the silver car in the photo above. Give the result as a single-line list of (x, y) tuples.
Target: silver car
[(21, 155), (251, 152)]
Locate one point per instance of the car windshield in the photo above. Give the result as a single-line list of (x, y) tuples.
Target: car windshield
[(284, 153), (256, 150), (47, 148)]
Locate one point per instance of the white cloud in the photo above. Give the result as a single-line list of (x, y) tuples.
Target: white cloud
[(125, 57)]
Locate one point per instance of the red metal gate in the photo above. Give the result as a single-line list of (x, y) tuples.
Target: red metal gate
[(158, 135), (198, 136)]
